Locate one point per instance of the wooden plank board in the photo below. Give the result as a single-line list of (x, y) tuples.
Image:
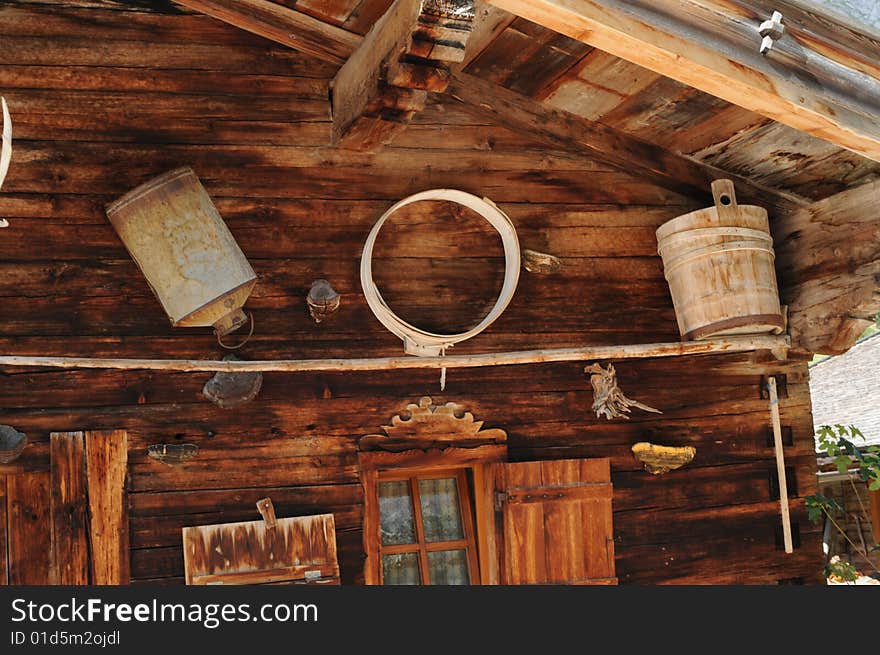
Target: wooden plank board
[(710, 48), (69, 516), (560, 534), (252, 553), (107, 465), (30, 543)]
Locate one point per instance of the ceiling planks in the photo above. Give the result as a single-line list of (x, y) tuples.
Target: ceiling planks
[(515, 110), (706, 45)]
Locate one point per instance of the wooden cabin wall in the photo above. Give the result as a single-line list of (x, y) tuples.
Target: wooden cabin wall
[(105, 95)]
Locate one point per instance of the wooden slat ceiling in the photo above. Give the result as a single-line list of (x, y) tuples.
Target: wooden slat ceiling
[(569, 75)]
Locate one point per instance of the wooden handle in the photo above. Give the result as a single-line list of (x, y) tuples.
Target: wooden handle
[(267, 511), (725, 200)]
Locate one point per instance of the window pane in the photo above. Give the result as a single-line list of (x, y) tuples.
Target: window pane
[(441, 515), (401, 569), (396, 513), (448, 567)]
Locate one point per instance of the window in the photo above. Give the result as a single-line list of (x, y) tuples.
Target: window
[(426, 529), (443, 505)]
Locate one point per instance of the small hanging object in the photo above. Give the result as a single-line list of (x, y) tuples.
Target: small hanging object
[(173, 453), (12, 443), (322, 300), (5, 150), (229, 390), (771, 30), (540, 262), (608, 399), (185, 250), (662, 459)]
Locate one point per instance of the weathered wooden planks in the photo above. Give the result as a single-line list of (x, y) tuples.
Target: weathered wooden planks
[(287, 550), (106, 461), (708, 47), (829, 261), (64, 277), (68, 526), (557, 522), (29, 515)]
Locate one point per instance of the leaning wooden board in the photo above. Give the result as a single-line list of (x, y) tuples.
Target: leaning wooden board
[(300, 550)]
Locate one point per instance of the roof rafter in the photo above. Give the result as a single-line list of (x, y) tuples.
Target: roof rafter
[(558, 128), (713, 46)]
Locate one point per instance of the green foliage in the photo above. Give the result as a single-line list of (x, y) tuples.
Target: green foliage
[(819, 505), (841, 570), (836, 443)]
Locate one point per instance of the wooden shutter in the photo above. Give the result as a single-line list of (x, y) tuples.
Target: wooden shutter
[(299, 550), (556, 522)]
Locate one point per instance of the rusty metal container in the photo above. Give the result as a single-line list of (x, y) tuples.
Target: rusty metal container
[(719, 265), (187, 253)]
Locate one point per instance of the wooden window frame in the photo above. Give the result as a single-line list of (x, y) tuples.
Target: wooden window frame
[(384, 465), (421, 547)]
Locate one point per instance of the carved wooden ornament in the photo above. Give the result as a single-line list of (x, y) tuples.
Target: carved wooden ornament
[(432, 426), (662, 459)]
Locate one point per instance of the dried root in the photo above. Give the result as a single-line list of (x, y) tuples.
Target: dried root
[(608, 399)]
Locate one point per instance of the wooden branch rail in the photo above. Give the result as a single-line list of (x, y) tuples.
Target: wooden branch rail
[(778, 345)]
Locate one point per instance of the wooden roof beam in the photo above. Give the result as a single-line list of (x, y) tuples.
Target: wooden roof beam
[(828, 260), (406, 55), (713, 46), (557, 128)]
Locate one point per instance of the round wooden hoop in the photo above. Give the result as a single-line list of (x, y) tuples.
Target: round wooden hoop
[(420, 342)]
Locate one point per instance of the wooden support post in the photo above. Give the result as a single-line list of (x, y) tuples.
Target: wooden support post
[(780, 465), (777, 345), (68, 522), (106, 466)]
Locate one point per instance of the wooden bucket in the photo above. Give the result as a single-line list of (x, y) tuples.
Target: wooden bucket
[(718, 262)]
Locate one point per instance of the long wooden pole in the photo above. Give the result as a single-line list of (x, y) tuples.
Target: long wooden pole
[(777, 345), (780, 465)]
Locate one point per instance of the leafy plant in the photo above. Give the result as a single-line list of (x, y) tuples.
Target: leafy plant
[(841, 570), (839, 447), (836, 442)]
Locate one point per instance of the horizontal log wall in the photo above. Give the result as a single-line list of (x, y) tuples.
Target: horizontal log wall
[(103, 98)]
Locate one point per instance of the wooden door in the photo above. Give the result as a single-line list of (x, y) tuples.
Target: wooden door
[(557, 526), (297, 550)]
